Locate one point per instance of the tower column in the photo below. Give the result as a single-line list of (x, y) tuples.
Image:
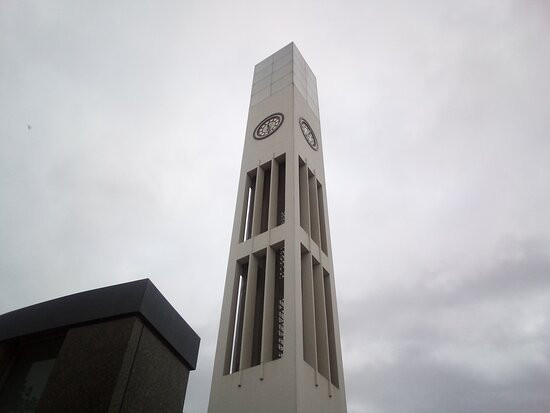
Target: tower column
[(278, 343)]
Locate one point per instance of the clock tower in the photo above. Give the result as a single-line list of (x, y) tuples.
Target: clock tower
[(278, 348)]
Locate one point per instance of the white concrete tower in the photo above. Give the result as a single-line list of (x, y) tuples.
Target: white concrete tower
[(278, 347)]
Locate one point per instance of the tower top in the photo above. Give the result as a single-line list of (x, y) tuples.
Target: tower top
[(279, 70)]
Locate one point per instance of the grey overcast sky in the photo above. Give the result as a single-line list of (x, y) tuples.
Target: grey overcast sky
[(121, 131)]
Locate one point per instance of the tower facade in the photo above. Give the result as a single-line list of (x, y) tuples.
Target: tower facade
[(278, 348)]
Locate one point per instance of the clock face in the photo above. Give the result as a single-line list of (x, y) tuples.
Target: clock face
[(308, 134), (268, 126)]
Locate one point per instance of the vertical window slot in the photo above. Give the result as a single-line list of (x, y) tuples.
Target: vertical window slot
[(248, 206), (313, 208), (265, 198), (233, 354), (258, 313), (250, 210), (277, 192), (249, 312), (322, 222), (279, 304), (281, 191), (330, 328), (258, 198), (320, 320), (269, 308), (304, 195), (308, 310)]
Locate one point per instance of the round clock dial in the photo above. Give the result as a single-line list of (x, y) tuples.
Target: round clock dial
[(308, 134), (268, 126)]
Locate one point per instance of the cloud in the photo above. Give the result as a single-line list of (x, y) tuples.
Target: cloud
[(478, 342)]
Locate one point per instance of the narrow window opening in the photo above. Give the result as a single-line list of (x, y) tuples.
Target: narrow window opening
[(279, 304), (265, 199), (313, 207), (320, 320), (249, 207), (304, 196), (322, 223), (237, 330), (308, 309), (281, 192), (330, 328), (258, 313), (248, 219)]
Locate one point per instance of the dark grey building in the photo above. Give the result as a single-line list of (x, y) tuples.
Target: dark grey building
[(122, 348)]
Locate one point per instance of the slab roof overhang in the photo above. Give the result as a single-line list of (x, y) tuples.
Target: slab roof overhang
[(140, 298)]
